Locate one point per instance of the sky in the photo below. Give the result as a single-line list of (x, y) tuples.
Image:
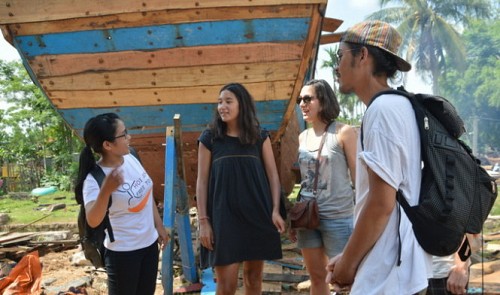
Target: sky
[(351, 12)]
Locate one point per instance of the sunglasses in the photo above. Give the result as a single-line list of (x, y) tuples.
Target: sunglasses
[(306, 98), (125, 133)]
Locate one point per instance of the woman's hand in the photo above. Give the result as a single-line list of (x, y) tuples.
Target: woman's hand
[(163, 237), (206, 234), (279, 222)]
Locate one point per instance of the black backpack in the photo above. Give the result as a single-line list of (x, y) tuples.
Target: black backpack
[(92, 239), (456, 193)]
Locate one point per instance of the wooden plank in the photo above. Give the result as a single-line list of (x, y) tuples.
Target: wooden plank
[(271, 285), (169, 208), (139, 19), (174, 77), (166, 36), (261, 91), (195, 116), (6, 33), (288, 278), (20, 11), (330, 38), (58, 65), (331, 24), (309, 54), (12, 237)]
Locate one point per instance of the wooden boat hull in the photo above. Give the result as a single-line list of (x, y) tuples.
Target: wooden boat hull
[(148, 61)]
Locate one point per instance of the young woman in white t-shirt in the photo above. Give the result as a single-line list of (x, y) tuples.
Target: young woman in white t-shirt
[(131, 260)]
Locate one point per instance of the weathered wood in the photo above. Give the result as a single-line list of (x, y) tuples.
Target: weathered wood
[(287, 155), (13, 238), (128, 20), (163, 36), (271, 286), (55, 207), (330, 38), (261, 91), (331, 24), (175, 77), (287, 278), (150, 60), (149, 147), (68, 64), (20, 11), (309, 53)]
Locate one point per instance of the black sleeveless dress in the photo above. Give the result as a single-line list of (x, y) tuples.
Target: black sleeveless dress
[(239, 204)]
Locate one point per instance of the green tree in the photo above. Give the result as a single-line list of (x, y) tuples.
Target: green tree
[(32, 132), (475, 91), (430, 31)]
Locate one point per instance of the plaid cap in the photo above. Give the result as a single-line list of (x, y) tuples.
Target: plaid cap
[(378, 34)]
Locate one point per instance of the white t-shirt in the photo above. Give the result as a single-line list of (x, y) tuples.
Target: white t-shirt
[(131, 211), (442, 265), (392, 151)]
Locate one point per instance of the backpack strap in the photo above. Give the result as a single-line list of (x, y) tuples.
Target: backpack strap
[(134, 153), (99, 176)]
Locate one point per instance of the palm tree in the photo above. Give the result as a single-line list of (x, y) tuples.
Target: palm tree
[(430, 31)]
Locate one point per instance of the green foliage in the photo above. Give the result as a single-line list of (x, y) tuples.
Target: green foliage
[(475, 91), (24, 208), (430, 31), (495, 211), (31, 131)]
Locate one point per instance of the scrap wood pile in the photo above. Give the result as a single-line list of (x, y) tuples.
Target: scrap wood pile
[(20, 266), (15, 245)]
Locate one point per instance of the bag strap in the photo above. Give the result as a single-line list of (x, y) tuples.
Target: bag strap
[(315, 184), (99, 176)]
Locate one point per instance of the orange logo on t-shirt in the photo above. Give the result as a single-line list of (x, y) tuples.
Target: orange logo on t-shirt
[(141, 205)]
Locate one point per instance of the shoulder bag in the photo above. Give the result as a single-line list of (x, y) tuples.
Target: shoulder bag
[(305, 214)]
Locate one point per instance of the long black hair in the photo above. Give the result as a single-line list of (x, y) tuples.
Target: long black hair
[(247, 119), (97, 130)]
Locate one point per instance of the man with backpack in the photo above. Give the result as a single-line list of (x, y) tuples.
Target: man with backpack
[(382, 256)]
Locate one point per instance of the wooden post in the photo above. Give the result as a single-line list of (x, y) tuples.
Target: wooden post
[(176, 210)]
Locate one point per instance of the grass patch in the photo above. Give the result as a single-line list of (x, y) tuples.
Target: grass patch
[(496, 207), (24, 208)]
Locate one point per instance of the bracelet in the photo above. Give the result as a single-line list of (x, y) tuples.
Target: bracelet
[(203, 218)]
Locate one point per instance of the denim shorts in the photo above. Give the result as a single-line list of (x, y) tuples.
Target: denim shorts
[(332, 234)]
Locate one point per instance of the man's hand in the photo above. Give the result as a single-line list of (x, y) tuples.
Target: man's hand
[(339, 276), (458, 278)]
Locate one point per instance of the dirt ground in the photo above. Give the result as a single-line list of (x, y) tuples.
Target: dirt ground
[(59, 276)]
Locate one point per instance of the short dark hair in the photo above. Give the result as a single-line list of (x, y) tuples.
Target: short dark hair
[(326, 96), (383, 62)]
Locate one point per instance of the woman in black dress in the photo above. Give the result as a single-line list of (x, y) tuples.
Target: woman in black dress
[(238, 194)]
